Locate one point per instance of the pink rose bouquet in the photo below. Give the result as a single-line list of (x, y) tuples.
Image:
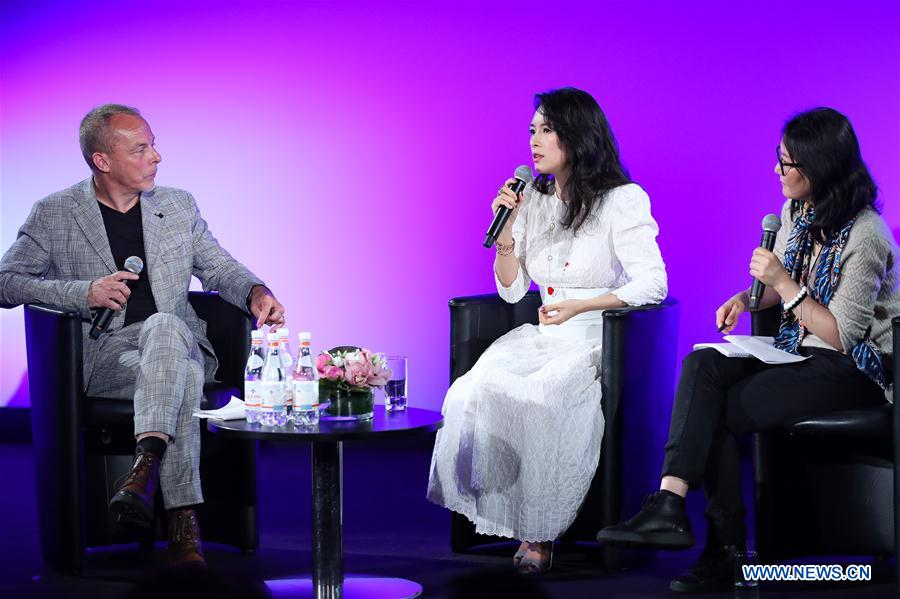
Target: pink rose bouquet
[(352, 370)]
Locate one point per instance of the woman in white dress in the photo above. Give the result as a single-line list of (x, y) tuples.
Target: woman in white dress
[(522, 429)]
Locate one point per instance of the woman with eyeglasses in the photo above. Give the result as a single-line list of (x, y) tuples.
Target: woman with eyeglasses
[(834, 271)]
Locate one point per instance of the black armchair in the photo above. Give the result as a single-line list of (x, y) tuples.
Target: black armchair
[(637, 380), (829, 485), (82, 445)]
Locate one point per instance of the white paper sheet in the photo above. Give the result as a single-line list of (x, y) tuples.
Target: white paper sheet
[(233, 410), (728, 350), (762, 348)]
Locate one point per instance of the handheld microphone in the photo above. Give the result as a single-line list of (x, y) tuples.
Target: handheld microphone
[(133, 264), (770, 226), (523, 177)]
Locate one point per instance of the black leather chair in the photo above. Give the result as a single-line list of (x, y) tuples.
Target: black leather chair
[(829, 485), (82, 445), (638, 378)]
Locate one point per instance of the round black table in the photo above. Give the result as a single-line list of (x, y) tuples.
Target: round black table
[(328, 580)]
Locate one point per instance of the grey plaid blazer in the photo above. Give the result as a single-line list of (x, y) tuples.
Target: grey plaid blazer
[(62, 247)]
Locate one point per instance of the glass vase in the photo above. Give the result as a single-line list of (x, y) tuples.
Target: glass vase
[(350, 405)]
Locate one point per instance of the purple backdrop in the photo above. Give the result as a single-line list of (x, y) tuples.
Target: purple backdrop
[(318, 137)]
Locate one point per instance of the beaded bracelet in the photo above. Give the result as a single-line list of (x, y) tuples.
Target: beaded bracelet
[(505, 249), (801, 295)]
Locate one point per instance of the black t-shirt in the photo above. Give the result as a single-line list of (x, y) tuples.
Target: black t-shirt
[(125, 232)]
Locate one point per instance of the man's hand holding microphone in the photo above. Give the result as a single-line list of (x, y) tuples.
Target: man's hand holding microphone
[(111, 293)]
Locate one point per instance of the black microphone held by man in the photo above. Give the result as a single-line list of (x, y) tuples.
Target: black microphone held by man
[(134, 265), (523, 177)]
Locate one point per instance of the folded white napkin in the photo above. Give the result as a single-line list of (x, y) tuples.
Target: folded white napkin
[(233, 411)]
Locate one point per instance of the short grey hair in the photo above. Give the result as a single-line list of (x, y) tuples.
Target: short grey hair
[(94, 134)]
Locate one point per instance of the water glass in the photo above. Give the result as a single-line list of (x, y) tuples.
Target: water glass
[(395, 390), (743, 586)]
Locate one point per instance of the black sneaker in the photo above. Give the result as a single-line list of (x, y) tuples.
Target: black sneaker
[(662, 523), (712, 574)]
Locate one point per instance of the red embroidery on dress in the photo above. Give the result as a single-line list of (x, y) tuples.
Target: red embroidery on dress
[(550, 290)]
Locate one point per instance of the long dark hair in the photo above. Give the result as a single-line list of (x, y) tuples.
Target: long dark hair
[(823, 143), (590, 149)]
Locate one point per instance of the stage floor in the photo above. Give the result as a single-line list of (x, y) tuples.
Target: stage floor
[(390, 530)]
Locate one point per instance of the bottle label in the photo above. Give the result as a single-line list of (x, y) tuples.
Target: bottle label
[(272, 395), (306, 395), (252, 394), (255, 362)]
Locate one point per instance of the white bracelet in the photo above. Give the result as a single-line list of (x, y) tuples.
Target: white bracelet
[(801, 295)]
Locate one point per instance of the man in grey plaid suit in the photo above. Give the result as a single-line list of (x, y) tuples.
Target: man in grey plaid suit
[(70, 253)]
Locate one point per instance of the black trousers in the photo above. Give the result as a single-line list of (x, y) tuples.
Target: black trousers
[(718, 398)]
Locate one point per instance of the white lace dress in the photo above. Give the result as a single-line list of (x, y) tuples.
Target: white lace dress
[(522, 429)]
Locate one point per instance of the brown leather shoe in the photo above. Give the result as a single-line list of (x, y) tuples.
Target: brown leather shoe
[(132, 505), (184, 538)]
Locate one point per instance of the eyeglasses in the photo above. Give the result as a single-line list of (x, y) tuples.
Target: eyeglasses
[(782, 164)]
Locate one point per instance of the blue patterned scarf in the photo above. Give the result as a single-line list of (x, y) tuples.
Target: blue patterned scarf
[(797, 257)]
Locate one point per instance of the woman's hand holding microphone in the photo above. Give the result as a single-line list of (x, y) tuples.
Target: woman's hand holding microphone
[(506, 197), (506, 265)]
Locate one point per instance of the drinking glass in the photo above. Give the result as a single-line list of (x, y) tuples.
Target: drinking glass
[(745, 588), (395, 390)]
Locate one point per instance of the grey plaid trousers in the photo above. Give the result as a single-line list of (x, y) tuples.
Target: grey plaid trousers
[(159, 363)]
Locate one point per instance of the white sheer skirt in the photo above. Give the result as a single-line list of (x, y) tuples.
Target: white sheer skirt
[(521, 436)]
